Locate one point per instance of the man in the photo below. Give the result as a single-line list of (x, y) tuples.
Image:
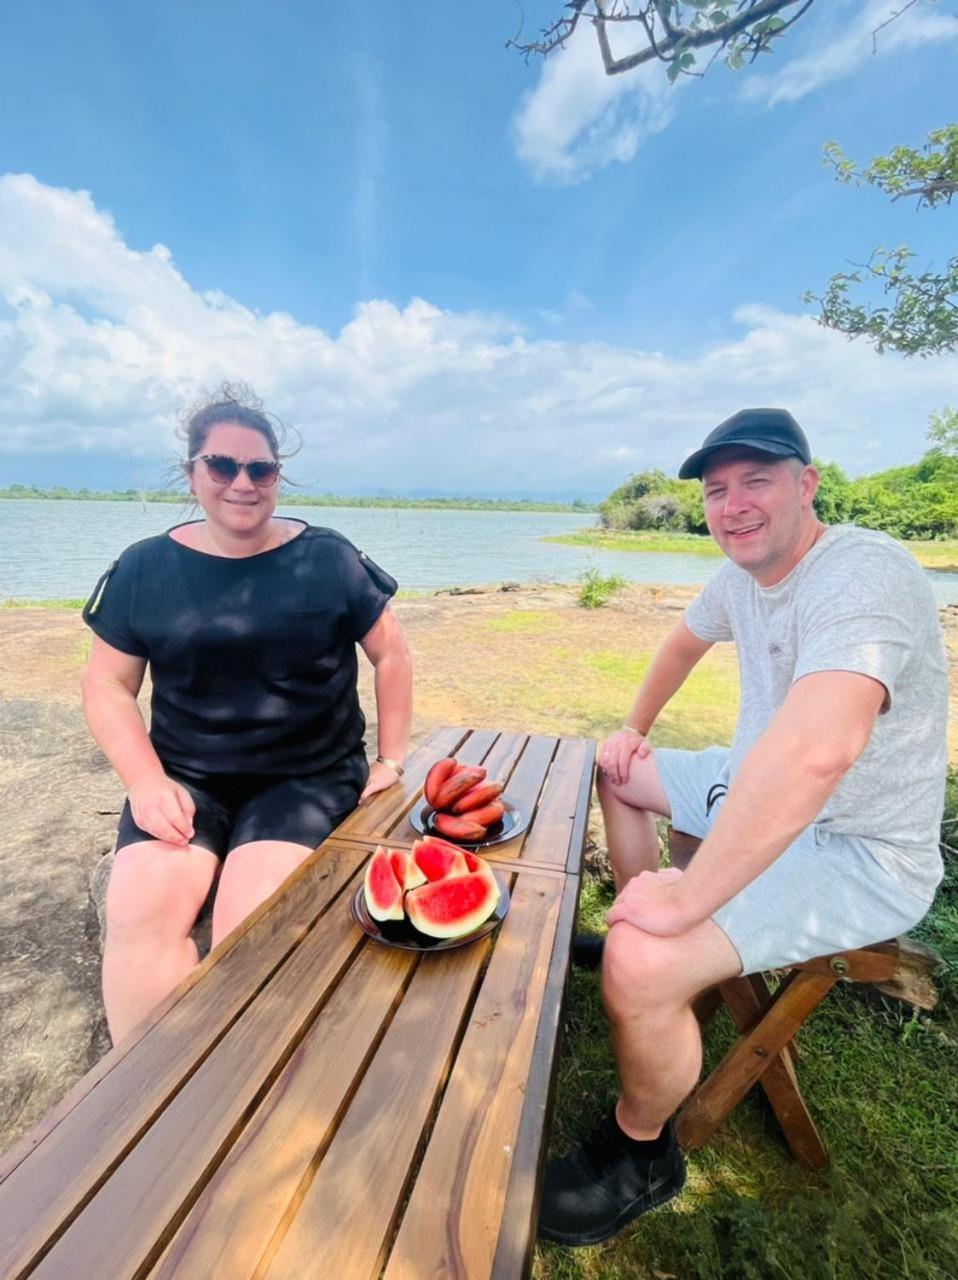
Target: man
[(819, 826)]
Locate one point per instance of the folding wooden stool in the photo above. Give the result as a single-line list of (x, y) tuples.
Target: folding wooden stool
[(768, 1021)]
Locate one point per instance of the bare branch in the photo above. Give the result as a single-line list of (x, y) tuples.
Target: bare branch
[(892, 17)]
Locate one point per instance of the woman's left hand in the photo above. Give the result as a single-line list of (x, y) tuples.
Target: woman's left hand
[(380, 777)]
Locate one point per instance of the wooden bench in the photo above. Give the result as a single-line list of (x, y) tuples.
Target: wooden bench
[(768, 1022), (310, 1103)]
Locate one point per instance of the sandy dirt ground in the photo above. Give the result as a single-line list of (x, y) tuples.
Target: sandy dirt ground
[(512, 660)]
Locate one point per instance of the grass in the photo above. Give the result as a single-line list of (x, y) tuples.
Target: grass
[(61, 602), (933, 555), (523, 622), (644, 540)]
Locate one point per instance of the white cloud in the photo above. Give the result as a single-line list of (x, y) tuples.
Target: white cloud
[(578, 120), (101, 346), (844, 40)]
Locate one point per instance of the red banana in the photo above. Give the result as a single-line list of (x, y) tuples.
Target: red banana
[(465, 777), (458, 828), (488, 815), (477, 796), (440, 772)]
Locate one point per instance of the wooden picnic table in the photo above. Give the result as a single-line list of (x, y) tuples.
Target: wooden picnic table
[(311, 1103)]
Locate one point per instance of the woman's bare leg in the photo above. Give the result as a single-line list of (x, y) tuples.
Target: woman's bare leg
[(251, 873), (155, 893)]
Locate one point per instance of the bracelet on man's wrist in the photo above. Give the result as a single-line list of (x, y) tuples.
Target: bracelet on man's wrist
[(396, 767), (630, 728)]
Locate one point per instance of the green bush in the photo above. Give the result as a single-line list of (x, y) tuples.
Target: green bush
[(597, 589), (918, 501)]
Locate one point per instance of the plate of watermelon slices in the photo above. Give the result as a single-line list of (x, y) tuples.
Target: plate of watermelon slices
[(431, 898), (466, 807)]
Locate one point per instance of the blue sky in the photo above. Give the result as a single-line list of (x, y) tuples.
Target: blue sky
[(451, 270)]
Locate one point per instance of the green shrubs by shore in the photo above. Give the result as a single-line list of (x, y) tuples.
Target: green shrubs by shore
[(914, 502)]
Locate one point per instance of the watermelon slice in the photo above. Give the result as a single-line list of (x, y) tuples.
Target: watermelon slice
[(455, 906), (479, 866), (405, 870), (383, 891), (436, 859)]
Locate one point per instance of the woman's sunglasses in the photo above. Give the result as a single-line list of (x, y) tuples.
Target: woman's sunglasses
[(223, 469)]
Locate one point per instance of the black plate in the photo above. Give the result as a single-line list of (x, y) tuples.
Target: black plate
[(405, 936), (513, 823)]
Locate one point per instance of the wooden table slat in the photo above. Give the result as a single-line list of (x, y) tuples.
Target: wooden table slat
[(260, 1182), (555, 831), (467, 1164), (516, 1242), (360, 1184), (147, 1195), (64, 1170)]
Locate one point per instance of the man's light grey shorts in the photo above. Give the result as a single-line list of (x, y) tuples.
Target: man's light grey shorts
[(825, 893)]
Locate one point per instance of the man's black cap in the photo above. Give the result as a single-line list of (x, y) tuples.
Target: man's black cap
[(769, 430)]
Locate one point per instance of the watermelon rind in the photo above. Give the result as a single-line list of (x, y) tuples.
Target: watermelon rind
[(383, 892), (455, 906)]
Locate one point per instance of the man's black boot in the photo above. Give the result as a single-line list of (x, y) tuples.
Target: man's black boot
[(587, 950), (606, 1181)]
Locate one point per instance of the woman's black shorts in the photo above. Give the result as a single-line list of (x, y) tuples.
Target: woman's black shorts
[(233, 809)]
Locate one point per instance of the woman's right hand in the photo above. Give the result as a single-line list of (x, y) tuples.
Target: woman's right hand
[(615, 754), (163, 808)]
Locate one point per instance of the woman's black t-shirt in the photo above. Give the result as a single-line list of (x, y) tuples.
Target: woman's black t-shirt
[(253, 660)]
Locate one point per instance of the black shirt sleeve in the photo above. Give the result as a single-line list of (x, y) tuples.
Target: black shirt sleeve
[(367, 589), (109, 610)]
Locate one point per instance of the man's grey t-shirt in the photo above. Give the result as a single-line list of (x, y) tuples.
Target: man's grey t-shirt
[(857, 601)]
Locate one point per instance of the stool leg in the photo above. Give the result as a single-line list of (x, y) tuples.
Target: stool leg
[(750, 1056), (778, 1080)]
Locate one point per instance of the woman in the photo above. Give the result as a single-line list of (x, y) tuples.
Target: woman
[(255, 752)]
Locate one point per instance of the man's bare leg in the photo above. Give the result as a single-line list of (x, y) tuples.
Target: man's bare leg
[(649, 983), (629, 811)]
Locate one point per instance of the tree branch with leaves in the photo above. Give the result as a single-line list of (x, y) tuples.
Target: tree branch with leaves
[(673, 31), (920, 314)]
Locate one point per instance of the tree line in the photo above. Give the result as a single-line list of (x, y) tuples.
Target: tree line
[(917, 501), (61, 493)]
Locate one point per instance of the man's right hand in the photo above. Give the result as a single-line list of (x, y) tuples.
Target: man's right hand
[(163, 808), (616, 752)]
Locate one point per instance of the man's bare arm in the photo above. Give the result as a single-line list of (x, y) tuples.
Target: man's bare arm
[(817, 735), (677, 655)]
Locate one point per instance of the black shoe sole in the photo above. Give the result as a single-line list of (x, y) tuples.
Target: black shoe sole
[(661, 1195)]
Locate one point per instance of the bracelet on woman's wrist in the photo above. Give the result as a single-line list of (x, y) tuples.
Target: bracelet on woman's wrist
[(630, 728), (396, 767)]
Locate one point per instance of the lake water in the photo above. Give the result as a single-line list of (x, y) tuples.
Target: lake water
[(52, 549)]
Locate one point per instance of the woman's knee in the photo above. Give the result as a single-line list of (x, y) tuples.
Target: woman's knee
[(156, 888)]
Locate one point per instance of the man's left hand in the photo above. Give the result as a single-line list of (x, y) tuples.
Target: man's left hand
[(658, 902), (380, 777)]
